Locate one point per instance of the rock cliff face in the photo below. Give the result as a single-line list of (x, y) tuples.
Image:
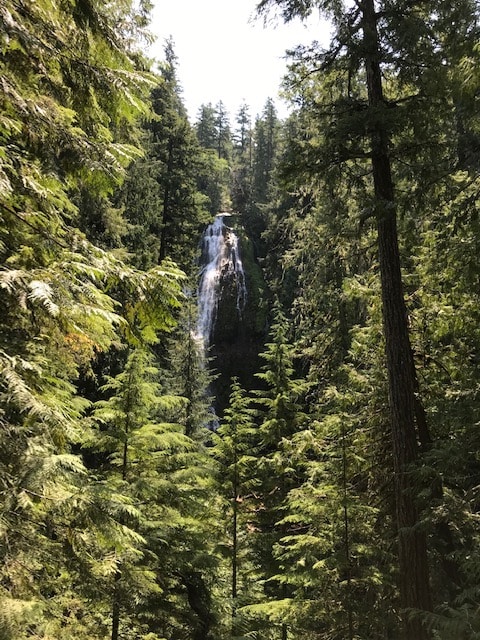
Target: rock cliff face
[(237, 331)]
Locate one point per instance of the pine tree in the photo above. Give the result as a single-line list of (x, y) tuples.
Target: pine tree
[(213, 134), (123, 439), (74, 86), (362, 121), (206, 127), (190, 377), (242, 162), (266, 146), (234, 452), (160, 476), (281, 416), (174, 150), (223, 134)]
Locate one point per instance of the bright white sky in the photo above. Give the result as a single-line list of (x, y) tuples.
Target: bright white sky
[(225, 53)]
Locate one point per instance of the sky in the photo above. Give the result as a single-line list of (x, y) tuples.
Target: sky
[(225, 53)]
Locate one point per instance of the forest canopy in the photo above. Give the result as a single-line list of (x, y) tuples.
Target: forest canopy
[(315, 474)]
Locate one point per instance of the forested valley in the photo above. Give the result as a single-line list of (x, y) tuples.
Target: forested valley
[(311, 469)]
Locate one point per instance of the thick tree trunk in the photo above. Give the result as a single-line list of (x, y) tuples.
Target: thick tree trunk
[(413, 564)]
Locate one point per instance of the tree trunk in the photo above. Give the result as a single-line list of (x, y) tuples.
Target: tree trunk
[(413, 564), (346, 530), (166, 217), (235, 489), (116, 607)]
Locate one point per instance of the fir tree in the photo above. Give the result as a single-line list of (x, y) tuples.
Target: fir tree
[(234, 451), (281, 416)]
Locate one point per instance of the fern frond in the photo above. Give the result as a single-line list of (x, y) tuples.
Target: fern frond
[(42, 292)]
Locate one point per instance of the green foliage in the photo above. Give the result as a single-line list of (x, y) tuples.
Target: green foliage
[(280, 416), (159, 478), (241, 189), (262, 162), (175, 152), (189, 375), (281, 524), (235, 452), (64, 111), (73, 89)]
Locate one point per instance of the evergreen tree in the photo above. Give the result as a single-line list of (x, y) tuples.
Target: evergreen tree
[(128, 438), (242, 162), (266, 140), (281, 416), (189, 374), (74, 86), (223, 134), (206, 127), (234, 451), (359, 129), (141, 200), (148, 465), (175, 150), (266, 133), (213, 133)]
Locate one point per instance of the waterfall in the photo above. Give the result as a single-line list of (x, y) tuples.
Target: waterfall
[(221, 262)]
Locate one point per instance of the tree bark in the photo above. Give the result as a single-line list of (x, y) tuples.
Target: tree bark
[(413, 564), (235, 490), (166, 217), (116, 607), (346, 529)]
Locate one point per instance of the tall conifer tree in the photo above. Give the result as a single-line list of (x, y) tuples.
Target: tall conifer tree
[(360, 106)]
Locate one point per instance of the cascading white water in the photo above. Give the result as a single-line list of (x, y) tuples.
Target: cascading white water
[(221, 260)]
